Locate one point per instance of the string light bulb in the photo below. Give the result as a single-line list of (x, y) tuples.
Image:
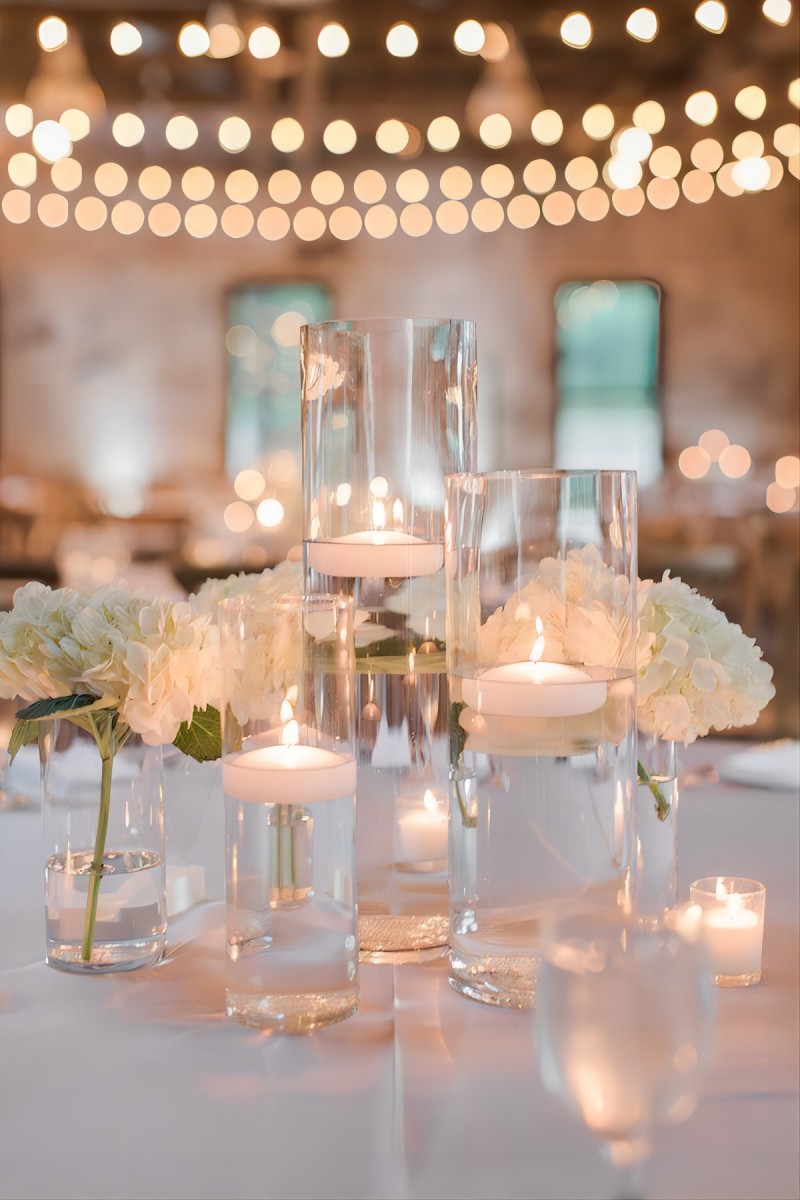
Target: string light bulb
[(576, 31), (642, 25), (52, 33), (402, 40), (125, 39), (711, 15), (333, 40)]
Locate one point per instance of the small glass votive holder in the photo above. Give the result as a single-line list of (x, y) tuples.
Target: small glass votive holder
[(733, 927)]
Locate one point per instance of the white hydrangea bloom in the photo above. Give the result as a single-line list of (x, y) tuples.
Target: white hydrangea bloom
[(697, 670), (286, 579)]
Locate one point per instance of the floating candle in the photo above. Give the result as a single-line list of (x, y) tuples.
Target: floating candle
[(376, 553), (422, 831), (288, 775), (534, 689), (733, 927)]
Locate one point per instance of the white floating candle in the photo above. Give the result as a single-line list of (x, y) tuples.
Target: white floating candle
[(422, 832), (376, 553), (288, 775), (534, 689), (733, 937)]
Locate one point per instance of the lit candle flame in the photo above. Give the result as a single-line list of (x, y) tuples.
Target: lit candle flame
[(287, 712), (378, 514), (290, 734), (538, 645), (397, 513)]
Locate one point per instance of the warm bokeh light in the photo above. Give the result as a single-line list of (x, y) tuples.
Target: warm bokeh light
[(270, 513), (287, 135), (786, 140), (22, 169), (181, 132), (581, 173), (628, 201), (53, 210), (284, 187), (455, 183), (498, 181), (702, 108), (327, 187), (52, 33), (593, 204), (469, 37), (127, 217), (558, 208), (125, 38), (110, 179), (497, 45), (237, 221), (309, 224), (234, 134), (90, 213), (775, 171), (547, 127), (598, 122), (712, 15), (780, 499), (650, 116), (339, 137), (698, 186), (443, 133), (487, 215), (576, 30), (273, 224), (777, 11), (663, 193), (333, 40), (402, 40), (714, 441), (17, 207), (693, 462), (127, 129), (242, 341), (623, 172), (164, 219), (226, 38), (238, 517), (633, 142), (76, 122), (154, 182), (735, 461), (539, 176), (51, 141), (707, 154), (665, 162), (345, 223), (642, 24), (725, 181), (523, 211), (751, 102), (369, 186), (249, 484), (416, 220), (451, 216), (391, 136), (19, 120), (241, 186), (197, 183), (793, 92), (66, 174), (495, 131), (194, 40), (748, 144), (412, 185), (380, 221), (200, 220), (264, 42), (787, 471), (751, 174)]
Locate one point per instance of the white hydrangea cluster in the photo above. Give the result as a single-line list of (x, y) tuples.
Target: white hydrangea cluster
[(577, 608), (155, 660), (286, 579), (697, 670)]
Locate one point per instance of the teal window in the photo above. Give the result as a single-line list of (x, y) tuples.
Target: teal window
[(607, 408)]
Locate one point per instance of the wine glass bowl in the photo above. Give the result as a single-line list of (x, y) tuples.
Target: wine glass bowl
[(624, 1022)]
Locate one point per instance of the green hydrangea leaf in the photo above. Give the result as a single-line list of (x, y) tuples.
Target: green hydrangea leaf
[(201, 738)]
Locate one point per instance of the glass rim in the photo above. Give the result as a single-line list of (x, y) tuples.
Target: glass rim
[(708, 886), (288, 600), (547, 473), (349, 324)]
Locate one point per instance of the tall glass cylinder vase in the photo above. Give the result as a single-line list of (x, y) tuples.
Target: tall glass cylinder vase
[(289, 778), (389, 408), (541, 623), (655, 861), (105, 903)]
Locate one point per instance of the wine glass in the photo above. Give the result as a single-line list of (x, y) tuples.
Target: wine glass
[(624, 1023)]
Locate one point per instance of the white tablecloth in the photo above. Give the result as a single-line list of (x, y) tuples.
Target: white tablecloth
[(138, 1086)]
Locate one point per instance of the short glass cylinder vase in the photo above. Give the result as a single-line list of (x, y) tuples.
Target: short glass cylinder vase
[(105, 900), (389, 408), (289, 778), (541, 620), (654, 866)]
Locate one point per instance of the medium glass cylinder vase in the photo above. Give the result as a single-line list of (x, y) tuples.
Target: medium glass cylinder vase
[(289, 778), (541, 620), (654, 867), (389, 408), (105, 900)]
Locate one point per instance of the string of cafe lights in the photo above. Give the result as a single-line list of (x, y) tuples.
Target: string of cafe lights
[(506, 197)]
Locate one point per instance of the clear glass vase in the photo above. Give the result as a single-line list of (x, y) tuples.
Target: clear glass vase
[(540, 569), (389, 408), (105, 900), (654, 867)]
